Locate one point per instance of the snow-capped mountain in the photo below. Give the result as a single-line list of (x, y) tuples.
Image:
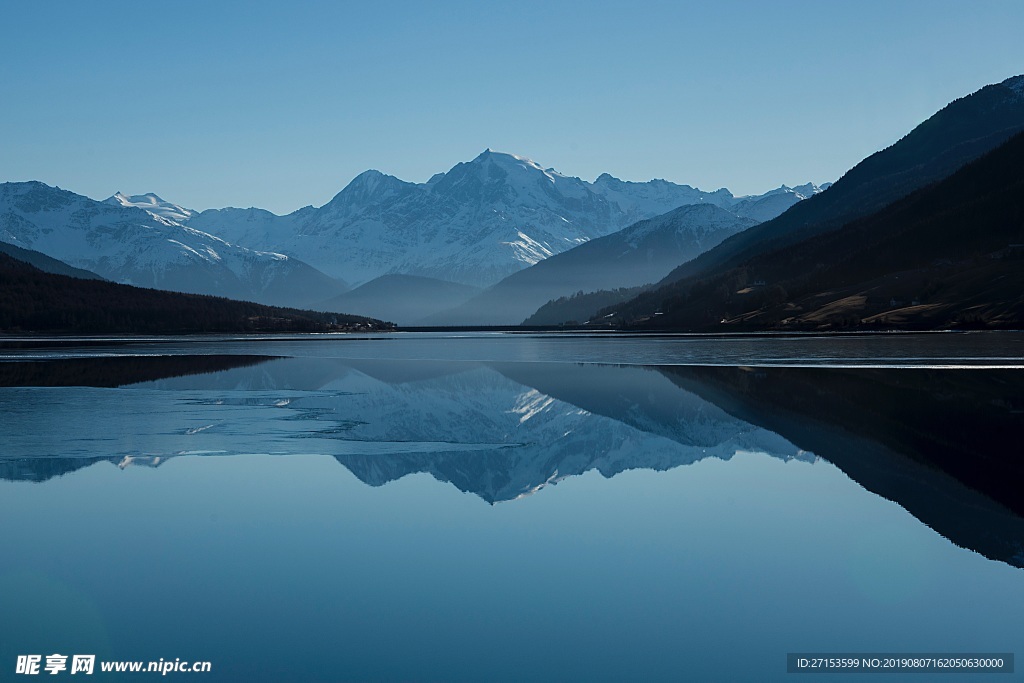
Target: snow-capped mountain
[(145, 247), (479, 222), (476, 224)]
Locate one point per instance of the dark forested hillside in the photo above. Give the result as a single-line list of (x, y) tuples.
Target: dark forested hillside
[(45, 263), (949, 255), (34, 301), (962, 131), (637, 255), (581, 306)]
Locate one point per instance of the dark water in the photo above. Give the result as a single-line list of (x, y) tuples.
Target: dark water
[(511, 507)]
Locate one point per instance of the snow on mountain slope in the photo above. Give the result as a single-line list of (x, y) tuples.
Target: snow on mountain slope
[(774, 202), (476, 224), (132, 245), (253, 228), (154, 205)]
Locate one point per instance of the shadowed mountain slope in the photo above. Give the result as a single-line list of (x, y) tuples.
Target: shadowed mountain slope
[(637, 255), (948, 255), (46, 263), (31, 300), (401, 299), (962, 131), (958, 133)]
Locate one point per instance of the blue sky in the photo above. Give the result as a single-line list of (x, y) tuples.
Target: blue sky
[(279, 105)]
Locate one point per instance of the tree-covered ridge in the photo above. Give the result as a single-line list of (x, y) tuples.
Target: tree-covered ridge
[(45, 263), (948, 255), (34, 301), (581, 306), (960, 132)]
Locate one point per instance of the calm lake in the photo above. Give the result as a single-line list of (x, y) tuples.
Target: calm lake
[(499, 507)]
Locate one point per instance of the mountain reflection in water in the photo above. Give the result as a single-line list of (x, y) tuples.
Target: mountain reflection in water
[(944, 444)]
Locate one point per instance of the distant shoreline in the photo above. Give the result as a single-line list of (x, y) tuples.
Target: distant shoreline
[(35, 341)]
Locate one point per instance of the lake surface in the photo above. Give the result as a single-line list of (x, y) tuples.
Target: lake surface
[(511, 507)]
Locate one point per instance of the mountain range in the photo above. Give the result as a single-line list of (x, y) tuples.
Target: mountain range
[(476, 224), (465, 229), (125, 243), (495, 239)]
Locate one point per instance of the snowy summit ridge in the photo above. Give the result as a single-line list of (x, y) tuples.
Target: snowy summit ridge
[(153, 204)]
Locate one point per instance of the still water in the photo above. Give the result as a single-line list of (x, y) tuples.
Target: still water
[(511, 507)]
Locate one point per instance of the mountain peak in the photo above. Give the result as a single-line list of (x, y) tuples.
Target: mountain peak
[(506, 159), (802, 191), (808, 189), (370, 175), (373, 180), (372, 186), (502, 168)]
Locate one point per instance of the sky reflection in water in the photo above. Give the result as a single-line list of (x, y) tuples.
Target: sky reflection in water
[(647, 523)]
